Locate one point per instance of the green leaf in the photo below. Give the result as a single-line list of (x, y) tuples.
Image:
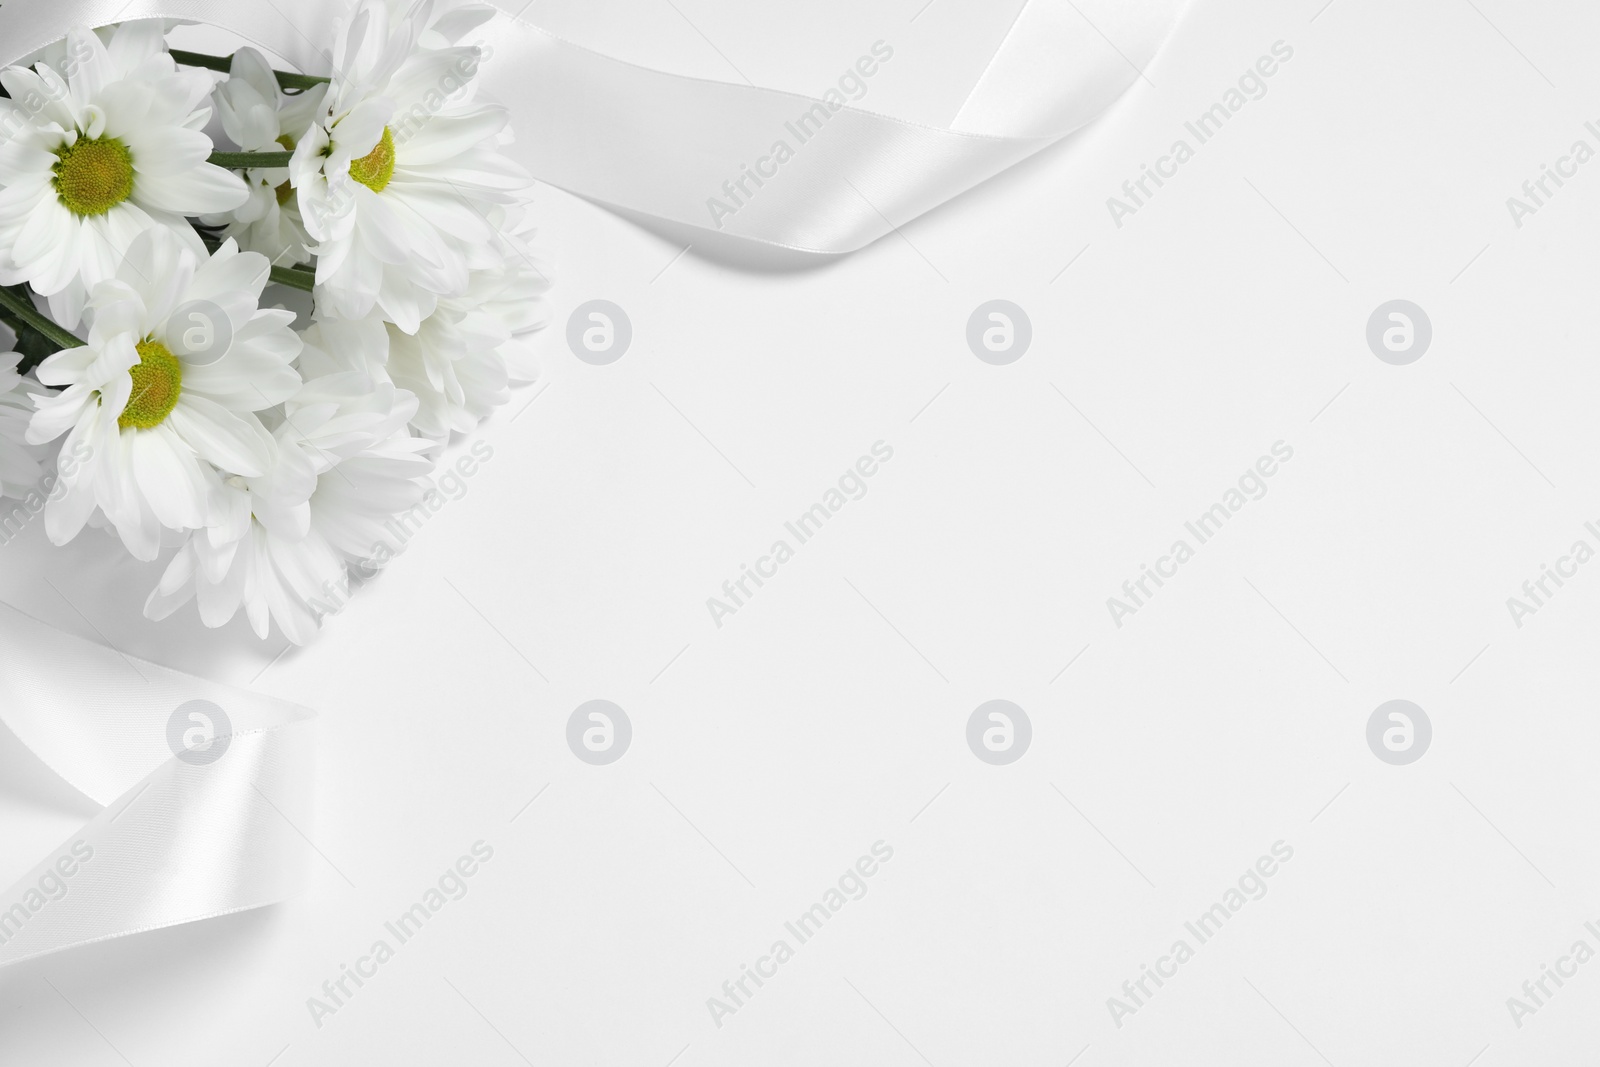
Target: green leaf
[(37, 336), (33, 345)]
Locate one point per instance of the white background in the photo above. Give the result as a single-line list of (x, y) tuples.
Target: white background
[(830, 712)]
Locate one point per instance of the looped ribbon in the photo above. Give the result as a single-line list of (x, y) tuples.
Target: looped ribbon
[(665, 146), (661, 146), (183, 839), (204, 788)]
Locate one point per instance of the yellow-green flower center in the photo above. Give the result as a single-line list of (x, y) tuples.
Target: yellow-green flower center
[(286, 190), (92, 177), (376, 167), (157, 381)]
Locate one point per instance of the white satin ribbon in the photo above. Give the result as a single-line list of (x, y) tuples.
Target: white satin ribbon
[(181, 838), (662, 145), (180, 841)]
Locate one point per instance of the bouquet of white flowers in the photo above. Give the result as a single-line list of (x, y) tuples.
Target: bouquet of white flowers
[(255, 353)]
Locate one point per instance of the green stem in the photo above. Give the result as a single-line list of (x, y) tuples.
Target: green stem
[(20, 306), (251, 160), (294, 277), (225, 64)]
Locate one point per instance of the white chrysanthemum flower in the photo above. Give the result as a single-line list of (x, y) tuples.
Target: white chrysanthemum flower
[(460, 363), (90, 161), (258, 555), (165, 396), (337, 345), (400, 180), (513, 298), (19, 466), (368, 486), (258, 116), (346, 466)]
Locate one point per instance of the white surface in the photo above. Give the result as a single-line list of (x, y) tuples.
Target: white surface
[(1189, 741)]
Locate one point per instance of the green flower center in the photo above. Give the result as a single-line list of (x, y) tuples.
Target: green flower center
[(92, 177), (157, 382), (286, 190), (376, 167)]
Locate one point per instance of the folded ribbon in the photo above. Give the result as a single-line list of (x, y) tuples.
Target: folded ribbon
[(206, 791), (663, 146), (191, 832)]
